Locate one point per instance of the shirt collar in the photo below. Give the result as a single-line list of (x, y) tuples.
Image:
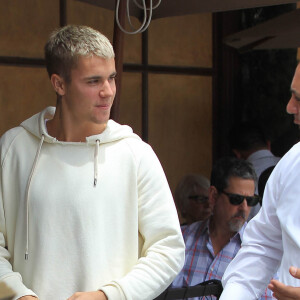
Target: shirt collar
[(238, 235)]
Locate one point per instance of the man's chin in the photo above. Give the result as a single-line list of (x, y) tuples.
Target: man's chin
[(236, 225)]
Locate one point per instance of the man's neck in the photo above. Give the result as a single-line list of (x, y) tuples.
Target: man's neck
[(66, 131), (219, 235)]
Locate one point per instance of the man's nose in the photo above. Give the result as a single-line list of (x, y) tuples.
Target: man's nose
[(292, 107), (243, 205), (106, 90)]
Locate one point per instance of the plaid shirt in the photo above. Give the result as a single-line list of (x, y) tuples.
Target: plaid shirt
[(201, 264)]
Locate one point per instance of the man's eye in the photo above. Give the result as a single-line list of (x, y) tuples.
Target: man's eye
[(94, 81)]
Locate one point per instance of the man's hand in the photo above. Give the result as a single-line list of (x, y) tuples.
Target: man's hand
[(97, 295), (285, 292)]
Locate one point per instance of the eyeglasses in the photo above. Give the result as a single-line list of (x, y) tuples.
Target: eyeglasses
[(198, 198), (236, 199)]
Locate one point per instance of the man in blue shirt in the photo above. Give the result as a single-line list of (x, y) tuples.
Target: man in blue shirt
[(212, 244)]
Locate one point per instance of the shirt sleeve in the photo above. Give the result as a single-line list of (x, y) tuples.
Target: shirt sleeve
[(8, 277), (162, 254), (258, 259)]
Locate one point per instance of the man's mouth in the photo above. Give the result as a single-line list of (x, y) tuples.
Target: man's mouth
[(239, 216), (297, 121), (104, 106)]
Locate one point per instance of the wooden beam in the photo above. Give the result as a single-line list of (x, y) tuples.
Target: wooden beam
[(118, 44), (62, 13), (145, 94), (162, 69)]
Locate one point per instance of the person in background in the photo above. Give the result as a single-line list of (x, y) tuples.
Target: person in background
[(191, 198), (82, 197), (248, 141), (262, 181), (272, 237), (213, 243)]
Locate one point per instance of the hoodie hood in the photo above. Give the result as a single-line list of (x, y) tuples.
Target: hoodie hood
[(113, 131)]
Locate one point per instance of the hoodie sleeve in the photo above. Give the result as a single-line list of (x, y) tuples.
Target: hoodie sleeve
[(11, 279), (163, 249)]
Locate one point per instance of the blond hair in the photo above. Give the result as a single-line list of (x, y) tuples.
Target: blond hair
[(67, 44)]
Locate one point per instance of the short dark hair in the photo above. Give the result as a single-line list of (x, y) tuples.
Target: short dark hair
[(246, 136), (228, 167)]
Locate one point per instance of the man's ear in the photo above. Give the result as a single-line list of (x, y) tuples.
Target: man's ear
[(58, 84), (212, 195), (237, 153)]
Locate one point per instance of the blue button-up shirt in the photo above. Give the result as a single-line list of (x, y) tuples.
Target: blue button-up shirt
[(201, 264)]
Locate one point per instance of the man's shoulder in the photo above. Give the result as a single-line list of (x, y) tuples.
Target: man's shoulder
[(262, 155), (294, 151), (121, 133), (10, 135), (290, 161), (138, 147), (194, 230), (8, 138)]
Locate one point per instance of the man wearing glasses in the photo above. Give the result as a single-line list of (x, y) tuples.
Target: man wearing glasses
[(212, 244), (272, 238), (191, 199)]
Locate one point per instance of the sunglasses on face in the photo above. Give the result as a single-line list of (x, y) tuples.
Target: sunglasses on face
[(236, 199), (198, 198)]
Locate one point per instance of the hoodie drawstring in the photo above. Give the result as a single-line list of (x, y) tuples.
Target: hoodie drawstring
[(27, 194), (96, 162), (30, 178)]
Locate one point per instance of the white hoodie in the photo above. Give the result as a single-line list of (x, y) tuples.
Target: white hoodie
[(121, 235)]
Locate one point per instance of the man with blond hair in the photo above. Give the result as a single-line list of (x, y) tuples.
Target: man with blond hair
[(82, 197)]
